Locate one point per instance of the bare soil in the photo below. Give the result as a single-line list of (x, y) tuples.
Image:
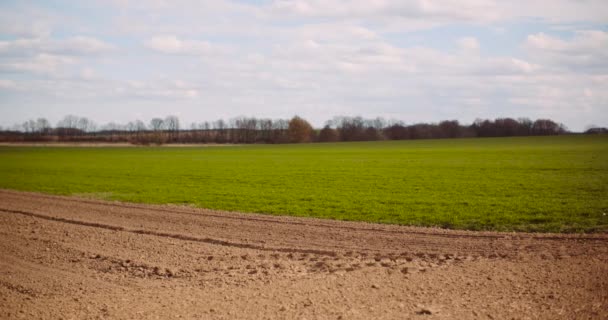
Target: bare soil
[(75, 258)]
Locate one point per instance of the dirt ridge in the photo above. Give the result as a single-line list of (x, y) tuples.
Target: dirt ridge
[(346, 225), (168, 235), (91, 259)]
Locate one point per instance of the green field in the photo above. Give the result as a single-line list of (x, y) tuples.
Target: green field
[(525, 184)]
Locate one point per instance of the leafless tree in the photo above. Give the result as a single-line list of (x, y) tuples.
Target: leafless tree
[(156, 124), (43, 125), (85, 125), (253, 130), (449, 129), (69, 121), (171, 124), (328, 134)]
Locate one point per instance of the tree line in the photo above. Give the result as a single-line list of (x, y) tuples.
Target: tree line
[(243, 130)]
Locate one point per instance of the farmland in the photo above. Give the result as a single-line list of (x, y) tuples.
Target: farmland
[(78, 255), (550, 184)]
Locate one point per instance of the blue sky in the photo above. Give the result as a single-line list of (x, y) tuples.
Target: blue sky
[(120, 60)]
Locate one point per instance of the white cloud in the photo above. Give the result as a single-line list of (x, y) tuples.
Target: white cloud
[(30, 22), (478, 11), (331, 32), (47, 56), (501, 66), (163, 89), (584, 41), (459, 10), (586, 51), (311, 57), (468, 44), (82, 45), (7, 85), (76, 45), (41, 63), (173, 45)]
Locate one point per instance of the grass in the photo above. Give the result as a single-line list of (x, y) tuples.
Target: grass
[(549, 184)]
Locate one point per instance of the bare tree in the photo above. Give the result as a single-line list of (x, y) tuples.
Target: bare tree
[(350, 128), (449, 129), (265, 127), (219, 127), (546, 127), (69, 121), (171, 124), (252, 130), (525, 127), (279, 128), (156, 124), (29, 126), (43, 125), (328, 134), (68, 126), (206, 127), (85, 125)]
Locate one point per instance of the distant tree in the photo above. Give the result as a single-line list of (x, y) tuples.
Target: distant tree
[(43, 125), (372, 134), (449, 129), (507, 127), (546, 127), (525, 127), (68, 126), (29, 126), (328, 134), (156, 124), (69, 121), (596, 130), (265, 127), (85, 125), (373, 129), (246, 129), (113, 126), (280, 131), (252, 130), (206, 127), (171, 124), (299, 130), (397, 132), (483, 128), (350, 128), (140, 126), (423, 131), (220, 128), (377, 123)]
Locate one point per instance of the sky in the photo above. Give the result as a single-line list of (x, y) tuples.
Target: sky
[(415, 61)]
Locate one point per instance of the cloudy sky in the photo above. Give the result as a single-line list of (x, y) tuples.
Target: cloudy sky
[(419, 60)]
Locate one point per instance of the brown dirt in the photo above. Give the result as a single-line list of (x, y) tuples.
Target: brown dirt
[(66, 257)]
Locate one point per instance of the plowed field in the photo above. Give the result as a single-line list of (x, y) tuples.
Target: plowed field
[(74, 258)]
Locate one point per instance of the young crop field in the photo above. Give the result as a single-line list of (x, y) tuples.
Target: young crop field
[(549, 184)]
